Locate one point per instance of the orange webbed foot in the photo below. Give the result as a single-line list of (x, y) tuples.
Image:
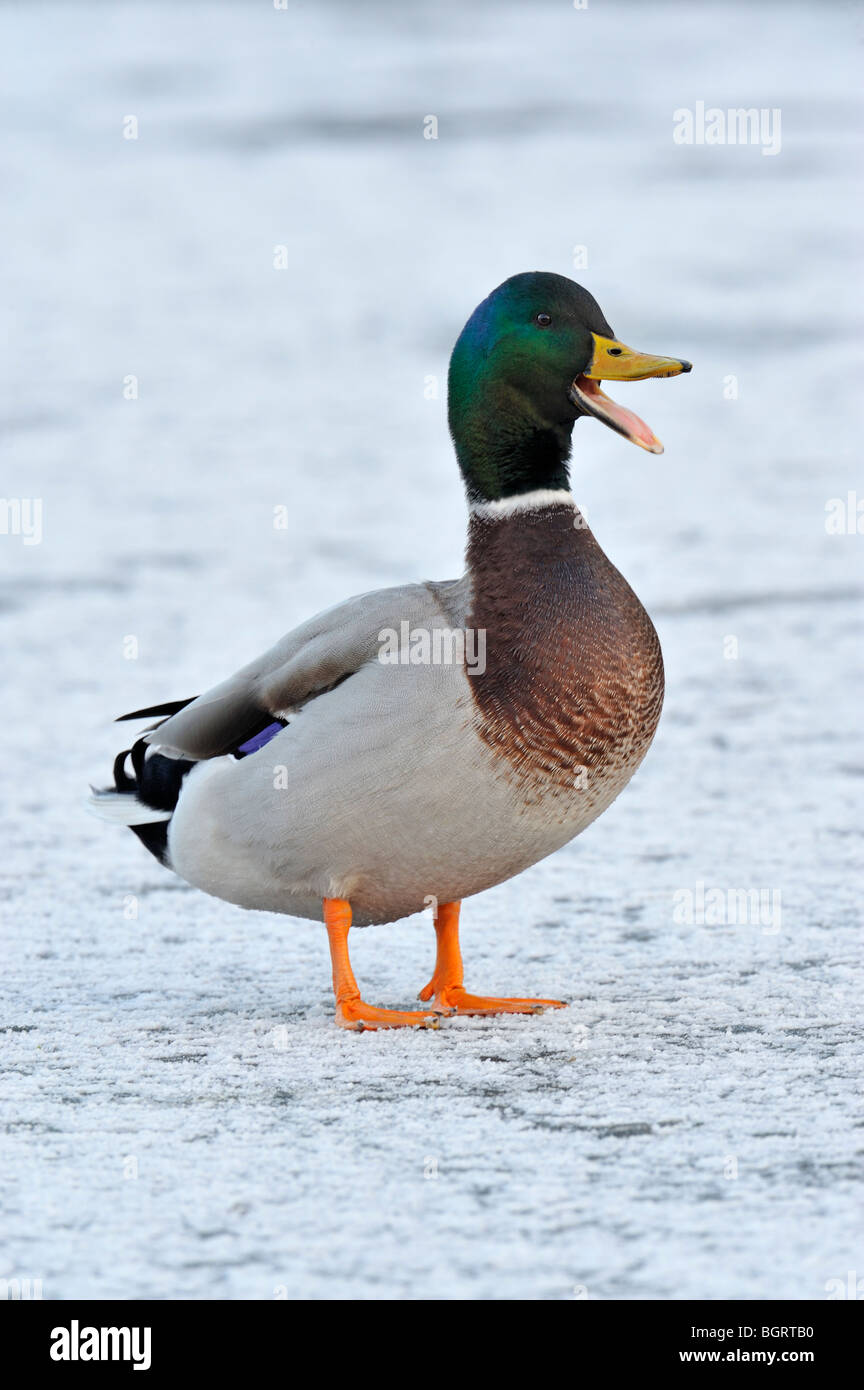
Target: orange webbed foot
[(445, 988), (453, 999), (351, 1011), (358, 1016)]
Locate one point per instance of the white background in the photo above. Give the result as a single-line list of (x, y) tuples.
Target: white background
[(584, 1150)]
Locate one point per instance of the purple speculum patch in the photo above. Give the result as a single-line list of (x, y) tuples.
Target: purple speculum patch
[(253, 744)]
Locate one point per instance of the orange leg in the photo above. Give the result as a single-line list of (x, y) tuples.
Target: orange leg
[(446, 983), (351, 1012)]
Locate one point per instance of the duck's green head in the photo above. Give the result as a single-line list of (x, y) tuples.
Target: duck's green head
[(526, 365)]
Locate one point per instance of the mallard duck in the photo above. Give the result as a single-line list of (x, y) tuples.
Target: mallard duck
[(414, 746)]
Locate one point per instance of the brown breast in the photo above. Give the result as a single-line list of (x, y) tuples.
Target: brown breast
[(573, 683)]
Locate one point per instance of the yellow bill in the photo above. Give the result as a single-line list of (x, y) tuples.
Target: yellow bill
[(614, 361)]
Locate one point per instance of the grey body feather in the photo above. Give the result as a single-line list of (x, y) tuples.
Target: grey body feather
[(379, 790)]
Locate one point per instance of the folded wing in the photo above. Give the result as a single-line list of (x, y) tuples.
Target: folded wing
[(310, 660)]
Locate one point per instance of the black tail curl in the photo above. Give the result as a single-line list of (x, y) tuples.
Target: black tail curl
[(157, 782)]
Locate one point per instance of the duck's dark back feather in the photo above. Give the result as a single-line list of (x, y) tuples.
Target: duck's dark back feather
[(155, 711)]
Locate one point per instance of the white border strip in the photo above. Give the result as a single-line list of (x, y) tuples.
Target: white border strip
[(524, 502)]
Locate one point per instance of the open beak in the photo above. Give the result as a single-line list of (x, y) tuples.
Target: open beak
[(612, 361)]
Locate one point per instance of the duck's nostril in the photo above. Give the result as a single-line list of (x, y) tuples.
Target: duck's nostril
[(614, 352)]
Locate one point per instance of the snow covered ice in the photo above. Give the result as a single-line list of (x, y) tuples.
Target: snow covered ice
[(180, 1118)]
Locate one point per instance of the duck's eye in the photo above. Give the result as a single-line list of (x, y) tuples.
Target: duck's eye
[(543, 320)]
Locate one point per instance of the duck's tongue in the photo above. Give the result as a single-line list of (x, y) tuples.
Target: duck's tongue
[(586, 394)]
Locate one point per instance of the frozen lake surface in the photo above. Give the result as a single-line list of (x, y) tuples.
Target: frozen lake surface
[(179, 1116)]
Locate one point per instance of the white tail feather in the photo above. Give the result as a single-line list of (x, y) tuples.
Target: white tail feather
[(123, 808)]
